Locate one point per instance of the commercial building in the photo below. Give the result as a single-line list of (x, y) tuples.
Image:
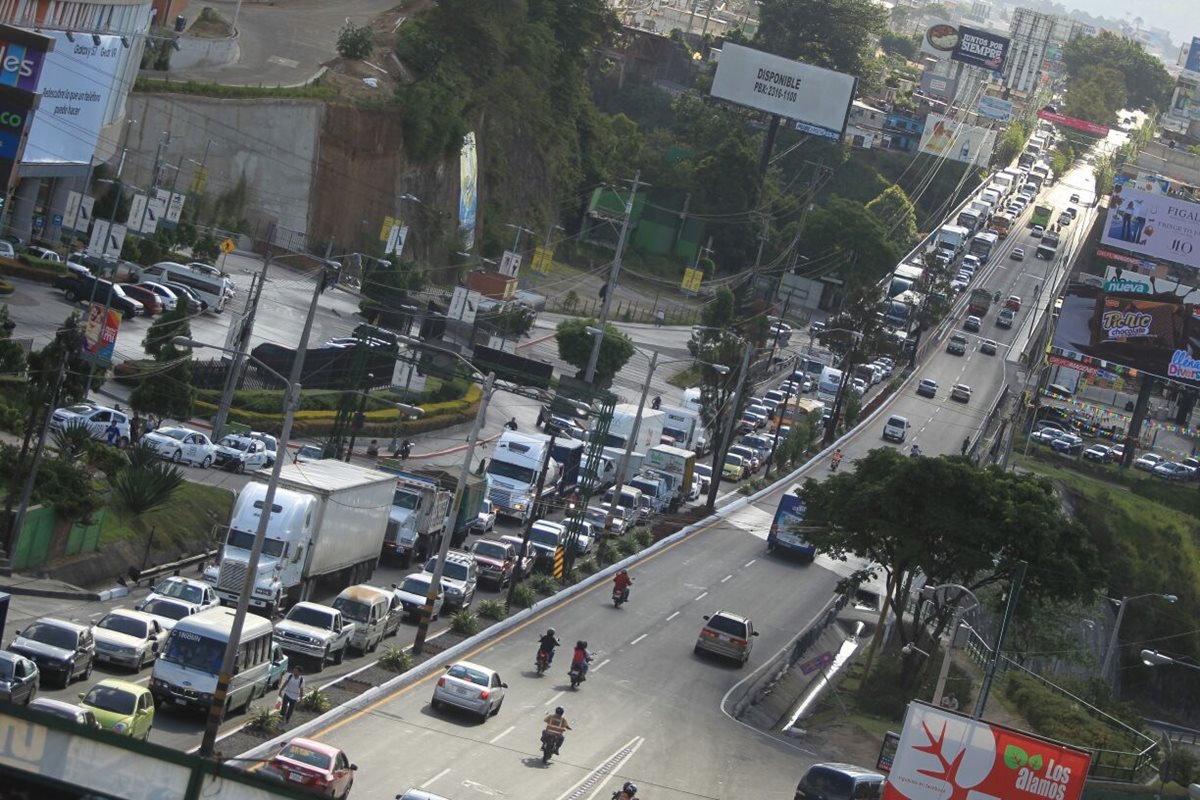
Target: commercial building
[(1035, 54)]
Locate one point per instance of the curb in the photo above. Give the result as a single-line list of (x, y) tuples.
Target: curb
[(63, 594)]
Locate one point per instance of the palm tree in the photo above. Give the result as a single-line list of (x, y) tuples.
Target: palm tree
[(73, 440), (144, 488)]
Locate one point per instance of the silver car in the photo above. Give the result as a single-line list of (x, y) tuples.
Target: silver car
[(412, 593), (18, 679), (727, 634), (471, 687), (128, 638)]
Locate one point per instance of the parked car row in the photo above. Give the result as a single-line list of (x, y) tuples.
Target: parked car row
[(1056, 436)]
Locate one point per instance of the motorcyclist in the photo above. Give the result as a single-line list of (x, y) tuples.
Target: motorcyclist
[(556, 726), (837, 458), (511, 424), (915, 452), (580, 658), (547, 644), (622, 581), (996, 297), (655, 403), (628, 792)]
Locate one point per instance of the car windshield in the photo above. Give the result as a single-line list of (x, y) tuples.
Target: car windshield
[(166, 608), (405, 499), (829, 784), (454, 570), (173, 433), (464, 673), (543, 536), (266, 439), (355, 610), (305, 755), (719, 622), (51, 635), (110, 698), (81, 409), (234, 443), (511, 471), (180, 590), (306, 615), (244, 540), (491, 550), (120, 623), (6, 670), (415, 585)]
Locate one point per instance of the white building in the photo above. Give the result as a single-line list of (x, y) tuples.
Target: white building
[(1036, 48)]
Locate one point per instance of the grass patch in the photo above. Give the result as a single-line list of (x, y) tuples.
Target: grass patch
[(189, 515), (493, 608), (1057, 716), (315, 92), (686, 378)]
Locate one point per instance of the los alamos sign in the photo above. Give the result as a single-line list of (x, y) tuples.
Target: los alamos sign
[(946, 756)]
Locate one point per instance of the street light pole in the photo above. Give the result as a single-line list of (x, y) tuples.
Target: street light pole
[(216, 711), (719, 453), (611, 287), (623, 467), (1113, 642), (452, 514)]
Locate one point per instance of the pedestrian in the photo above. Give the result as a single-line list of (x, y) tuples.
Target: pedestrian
[(511, 424), (660, 317), (112, 433), (966, 445), (541, 419), (404, 449), (373, 449), (290, 693)]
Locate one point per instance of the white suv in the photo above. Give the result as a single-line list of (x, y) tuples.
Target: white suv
[(97, 419), (459, 577)]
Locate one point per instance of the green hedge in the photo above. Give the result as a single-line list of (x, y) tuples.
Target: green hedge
[(6, 287), (39, 270), (235, 92)]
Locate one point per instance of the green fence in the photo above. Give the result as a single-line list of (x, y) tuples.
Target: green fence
[(36, 541)]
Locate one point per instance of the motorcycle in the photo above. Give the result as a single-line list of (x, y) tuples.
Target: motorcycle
[(577, 675), (833, 465), (549, 745), (542, 661), (619, 596)]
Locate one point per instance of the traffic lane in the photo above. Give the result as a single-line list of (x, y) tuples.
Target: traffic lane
[(646, 681)]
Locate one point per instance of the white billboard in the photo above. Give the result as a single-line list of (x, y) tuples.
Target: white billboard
[(77, 80), (948, 138), (137, 212), (106, 239), (464, 304), (815, 96), (77, 216), (1153, 225)]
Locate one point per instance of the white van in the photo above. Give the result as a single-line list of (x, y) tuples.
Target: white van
[(631, 498), (376, 614), (214, 290), (189, 663), (829, 384), (896, 428)]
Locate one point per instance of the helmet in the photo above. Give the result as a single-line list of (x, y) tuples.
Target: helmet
[(560, 711), (630, 788), (549, 631), (582, 644)]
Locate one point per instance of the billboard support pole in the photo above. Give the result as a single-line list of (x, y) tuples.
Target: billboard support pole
[(1009, 611), (1135, 422), (768, 145)]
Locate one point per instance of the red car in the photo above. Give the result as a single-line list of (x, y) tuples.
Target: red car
[(313, 765), (144, 296), (1013, 302)]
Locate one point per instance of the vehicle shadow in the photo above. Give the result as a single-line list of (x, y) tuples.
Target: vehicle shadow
[(534, 762), (452, 716)]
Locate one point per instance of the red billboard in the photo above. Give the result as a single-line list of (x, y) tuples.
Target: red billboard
[(1090, 128), (947, 756)]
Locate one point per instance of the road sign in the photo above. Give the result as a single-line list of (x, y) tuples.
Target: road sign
[(692, 279), (560, 552), (227, 246)]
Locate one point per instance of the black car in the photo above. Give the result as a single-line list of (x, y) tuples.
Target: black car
[(195, 304), (62, 650), (76, 287)]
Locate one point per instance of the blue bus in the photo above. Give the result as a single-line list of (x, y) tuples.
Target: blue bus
[(783, 534)]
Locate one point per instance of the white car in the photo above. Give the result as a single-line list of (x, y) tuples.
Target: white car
[(197, 594), (166, 297), (182, 445), (167, 611), (1148, 462), (270, 445), (240, 453), (412, 593), (470, 687), (45, 254), (97, 419), (128, 638)]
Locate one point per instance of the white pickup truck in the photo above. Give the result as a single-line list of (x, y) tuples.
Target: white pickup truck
[(311, 630)]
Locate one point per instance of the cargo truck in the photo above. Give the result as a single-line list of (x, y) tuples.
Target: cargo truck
[(417, 517), (979, 302), (649, 431), (682, 426), (674, 461), (952, 238), (328, 521), (569, 455), (515, 471)]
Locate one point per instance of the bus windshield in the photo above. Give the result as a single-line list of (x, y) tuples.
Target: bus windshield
[(1042, 214), (982, 244), (193, 650)]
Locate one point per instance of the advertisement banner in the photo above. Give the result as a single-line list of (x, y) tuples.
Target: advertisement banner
[(76, 87), (1149, 182), (175, 203), (468, 190), (385, 230), (692, 279), (24, 57), (71, 212), (995, 108), (1153, 225), (106, 239), (812, 95), (938, 86), (1155, 333), (543, 257), (137, 212), (1125, 281), (100, 334), (947, 138), (1192, 62), (1081, 125), (510, 263), (946, 755), (980, 48), (464, 304), (940, 39)]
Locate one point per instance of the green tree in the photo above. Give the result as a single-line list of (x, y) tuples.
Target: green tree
[(895, 212), (844, 236), (900, 44), (1012, 142), (1096, 96), (575, 347), (355, 41), (43, 367), (12, 355), (1143, 76), (720, 310), (147, 483), (835, 34), (168, 391), (729, 181)]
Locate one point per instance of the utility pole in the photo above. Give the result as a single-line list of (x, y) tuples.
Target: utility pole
[(1010, 610), (610, 289), (241, 344), (360, 417), (787, 397), (533, 514), (718, 463), (623, 467), (163, 141), (452, 514)]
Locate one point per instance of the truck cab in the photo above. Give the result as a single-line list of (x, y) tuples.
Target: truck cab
[(281, 562), (315, 631), (654, 488), (515, 471)]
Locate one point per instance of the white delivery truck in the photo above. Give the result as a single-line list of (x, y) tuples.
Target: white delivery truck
[(952, 238), (684, 427), (649, 432), (514, 471), (327, 521), (674, 461)]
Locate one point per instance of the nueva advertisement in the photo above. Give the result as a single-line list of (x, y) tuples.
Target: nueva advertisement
[(945, 756)]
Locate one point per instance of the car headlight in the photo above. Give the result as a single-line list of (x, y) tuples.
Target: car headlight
[(519, 506), (120, 727)]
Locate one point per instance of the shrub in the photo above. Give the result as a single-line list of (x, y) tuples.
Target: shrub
[(264, 718), (311, 92), (355, 41), (543, 583), (465, 622), (586, 566), (316, 701), (493, 608), (643, 536), (396, 659), (627, 546), (608, 553), (523, 596)]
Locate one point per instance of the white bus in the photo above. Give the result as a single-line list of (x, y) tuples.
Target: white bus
[(214, 290), (189, 663)]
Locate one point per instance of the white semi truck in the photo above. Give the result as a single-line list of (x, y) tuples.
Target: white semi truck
[(514, 472), (327, 521)]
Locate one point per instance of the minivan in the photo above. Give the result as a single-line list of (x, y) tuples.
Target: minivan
[(376, 614), (896, 428), (835, 781)]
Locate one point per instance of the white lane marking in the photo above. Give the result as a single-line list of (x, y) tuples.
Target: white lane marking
[(443, 773), (673, 616), (750, 563), (554, 699), (638, 639), (599, 666), (727, 577), (601, 772), (493, 740), (701, 596)]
